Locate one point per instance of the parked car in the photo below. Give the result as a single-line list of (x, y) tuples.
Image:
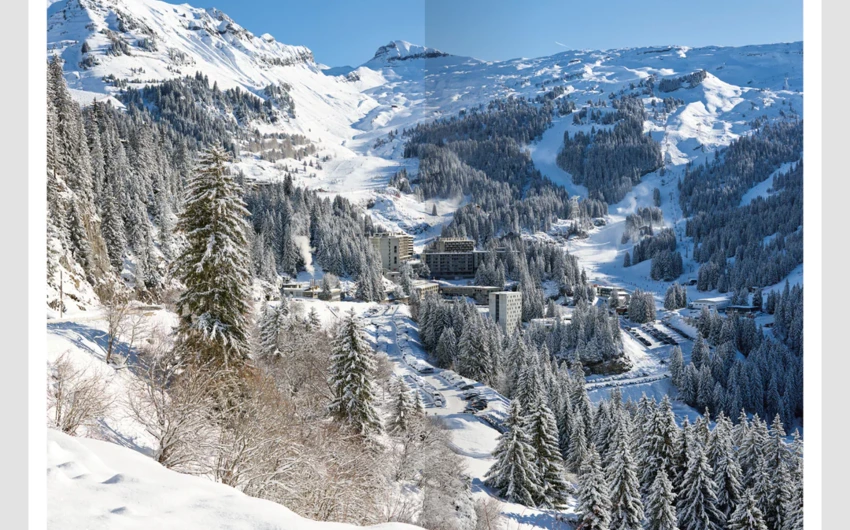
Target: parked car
[(466, 387)]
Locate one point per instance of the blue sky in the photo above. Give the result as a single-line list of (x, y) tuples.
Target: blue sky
[(348, 32)]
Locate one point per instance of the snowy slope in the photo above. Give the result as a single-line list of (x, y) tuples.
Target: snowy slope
[(346, 110), (94, 484)]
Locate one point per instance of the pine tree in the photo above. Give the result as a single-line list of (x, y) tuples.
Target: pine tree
[(627, 508), (594, 495), (515, 475), (727, 471), (697, 502), (660, 442), (747, 516), (578, 445), (660, 504), (403, 408), (700, 352), (352, 367), (781, 496), (270, 323), (418, 406), (677, 366), (543, 437), (627, 260), (446, 351), (215, 266)]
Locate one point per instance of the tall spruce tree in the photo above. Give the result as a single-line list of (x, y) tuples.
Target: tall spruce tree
[(270, 324), (215, 266), (543, 436), (627, 508), (660, 504), (747, 516), (350, 379), (697, 502), (515, 475), (594, 495), (403, 408)]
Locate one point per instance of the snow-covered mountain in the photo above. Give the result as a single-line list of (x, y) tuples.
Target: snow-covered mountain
[(110, 44)]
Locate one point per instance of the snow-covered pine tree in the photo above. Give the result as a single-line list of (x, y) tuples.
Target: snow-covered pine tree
[(727, 472), (697, 501), (747, 516), (626, 506), (403, 408), (677, 366), (418, 406), (515, 475), (215, 265), (446, 351), (660, 504), (578, 445), (543, 436), (270, 322), (594, 495), (659, 446), (314, 323), (350, 379), (473, 357), (529, 388), (781, 496)]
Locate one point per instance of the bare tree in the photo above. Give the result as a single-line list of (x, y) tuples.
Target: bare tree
[(115, 308), (172, 400), (77, 396), (489, 514)]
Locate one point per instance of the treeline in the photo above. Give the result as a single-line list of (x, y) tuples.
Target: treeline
[(113, 179), (641, 223), (767, 380), (592, 338), (765, 238), (722, 182), (610, 161), (480, 153), (692, 80), (635, 466), (205, 113), (293, 224), (530, 262)]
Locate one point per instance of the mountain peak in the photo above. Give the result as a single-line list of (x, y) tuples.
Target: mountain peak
[(400, 50)]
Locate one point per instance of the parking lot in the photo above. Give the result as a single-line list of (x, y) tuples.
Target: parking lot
[(649, 335)]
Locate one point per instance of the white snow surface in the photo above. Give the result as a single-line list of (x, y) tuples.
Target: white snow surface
[(345, 110), (100, 485)]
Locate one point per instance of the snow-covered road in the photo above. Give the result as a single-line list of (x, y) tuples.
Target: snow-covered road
[(393, 332)]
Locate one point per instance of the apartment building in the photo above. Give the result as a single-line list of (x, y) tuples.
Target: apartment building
[(394, 249), (506, 309)]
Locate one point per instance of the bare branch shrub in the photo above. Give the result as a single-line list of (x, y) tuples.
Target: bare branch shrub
[(77, 397), (489, 514), (172, 401)]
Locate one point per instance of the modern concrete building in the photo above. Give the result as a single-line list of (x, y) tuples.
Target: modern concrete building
[(479, 293), (424, 289), (454, 244), (454, 264), (394, 249), (713, 304), (506, 309)]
